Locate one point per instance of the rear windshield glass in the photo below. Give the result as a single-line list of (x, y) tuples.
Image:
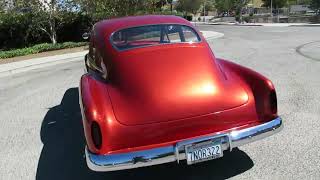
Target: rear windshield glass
[(153, 35)]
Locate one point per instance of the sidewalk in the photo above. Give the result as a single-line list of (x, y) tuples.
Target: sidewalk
[(209, 35), (30, 64), (35, 63), (259, 24)]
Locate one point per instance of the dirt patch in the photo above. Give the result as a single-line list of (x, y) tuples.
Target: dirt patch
[(43, 54)]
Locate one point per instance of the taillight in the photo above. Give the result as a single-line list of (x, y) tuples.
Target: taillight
[(273, 102), (96, 135)]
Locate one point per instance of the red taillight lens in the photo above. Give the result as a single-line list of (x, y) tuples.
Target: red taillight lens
[(273, 102), (96, 135)]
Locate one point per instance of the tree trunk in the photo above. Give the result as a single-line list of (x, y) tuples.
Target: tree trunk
[(52, 23), (54, 37), (53, 32)]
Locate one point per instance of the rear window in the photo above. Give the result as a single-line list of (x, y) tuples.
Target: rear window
[(153, 35)]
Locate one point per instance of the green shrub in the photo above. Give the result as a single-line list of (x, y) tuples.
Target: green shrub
[(18, 30), (39, 48), (188, 17), (43, 47), (247, 19), (238, 18)]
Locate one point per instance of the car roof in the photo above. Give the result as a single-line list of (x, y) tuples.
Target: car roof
[(107, 27)]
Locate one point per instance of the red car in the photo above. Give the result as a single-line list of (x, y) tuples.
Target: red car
[(155, 93)]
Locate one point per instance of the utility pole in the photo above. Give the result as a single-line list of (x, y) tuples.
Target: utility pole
[(204, 11), (170, 2), (242, 3), (271, 9)]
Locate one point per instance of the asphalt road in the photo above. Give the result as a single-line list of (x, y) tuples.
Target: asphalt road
[(41, 135)]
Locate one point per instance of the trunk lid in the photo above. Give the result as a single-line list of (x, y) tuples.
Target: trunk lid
[(150, 86)]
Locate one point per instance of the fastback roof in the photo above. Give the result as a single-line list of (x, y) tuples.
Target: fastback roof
[(107, 27)]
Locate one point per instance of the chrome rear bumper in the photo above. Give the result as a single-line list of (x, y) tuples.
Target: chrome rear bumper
[(175, 153)]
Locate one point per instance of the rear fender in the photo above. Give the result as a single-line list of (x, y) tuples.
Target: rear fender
[(95, 107), (262, 88)]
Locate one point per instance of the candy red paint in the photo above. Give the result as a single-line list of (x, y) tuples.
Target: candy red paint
[(158, 95)]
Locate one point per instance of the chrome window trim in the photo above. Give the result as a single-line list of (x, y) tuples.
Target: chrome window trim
[(91, 64), (192, 28)]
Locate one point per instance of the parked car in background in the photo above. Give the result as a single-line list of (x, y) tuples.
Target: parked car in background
[(155, 93)]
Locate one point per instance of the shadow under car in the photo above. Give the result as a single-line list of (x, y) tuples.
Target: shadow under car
[(62, 156)]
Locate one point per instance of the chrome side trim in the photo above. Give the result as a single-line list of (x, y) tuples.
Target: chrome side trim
[(176, 152)]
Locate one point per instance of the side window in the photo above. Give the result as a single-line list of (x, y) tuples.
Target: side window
[(94, 59), (189, 34), (174, 33), (177, 33)]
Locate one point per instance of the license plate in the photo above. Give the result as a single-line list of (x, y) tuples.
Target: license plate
[(203, 151)]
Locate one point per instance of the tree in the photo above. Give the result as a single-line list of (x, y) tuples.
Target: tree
[(171, 5), (50, 10), (2, 5), (208, 5), (239, 5), (315, 5), (299, 2), (102, 9), (224, 5), (275, 3), (47, 15), (98, 9), (189, 6), (230, 5)]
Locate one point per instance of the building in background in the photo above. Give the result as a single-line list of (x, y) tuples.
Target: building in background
[(299, 9), (255, 3)]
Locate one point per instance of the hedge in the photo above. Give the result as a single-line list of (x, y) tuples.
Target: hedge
[(19, 30), (39, 48)]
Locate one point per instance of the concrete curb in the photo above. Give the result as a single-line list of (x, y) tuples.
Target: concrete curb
[(306, 25), (30, 64), (266, 24)]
